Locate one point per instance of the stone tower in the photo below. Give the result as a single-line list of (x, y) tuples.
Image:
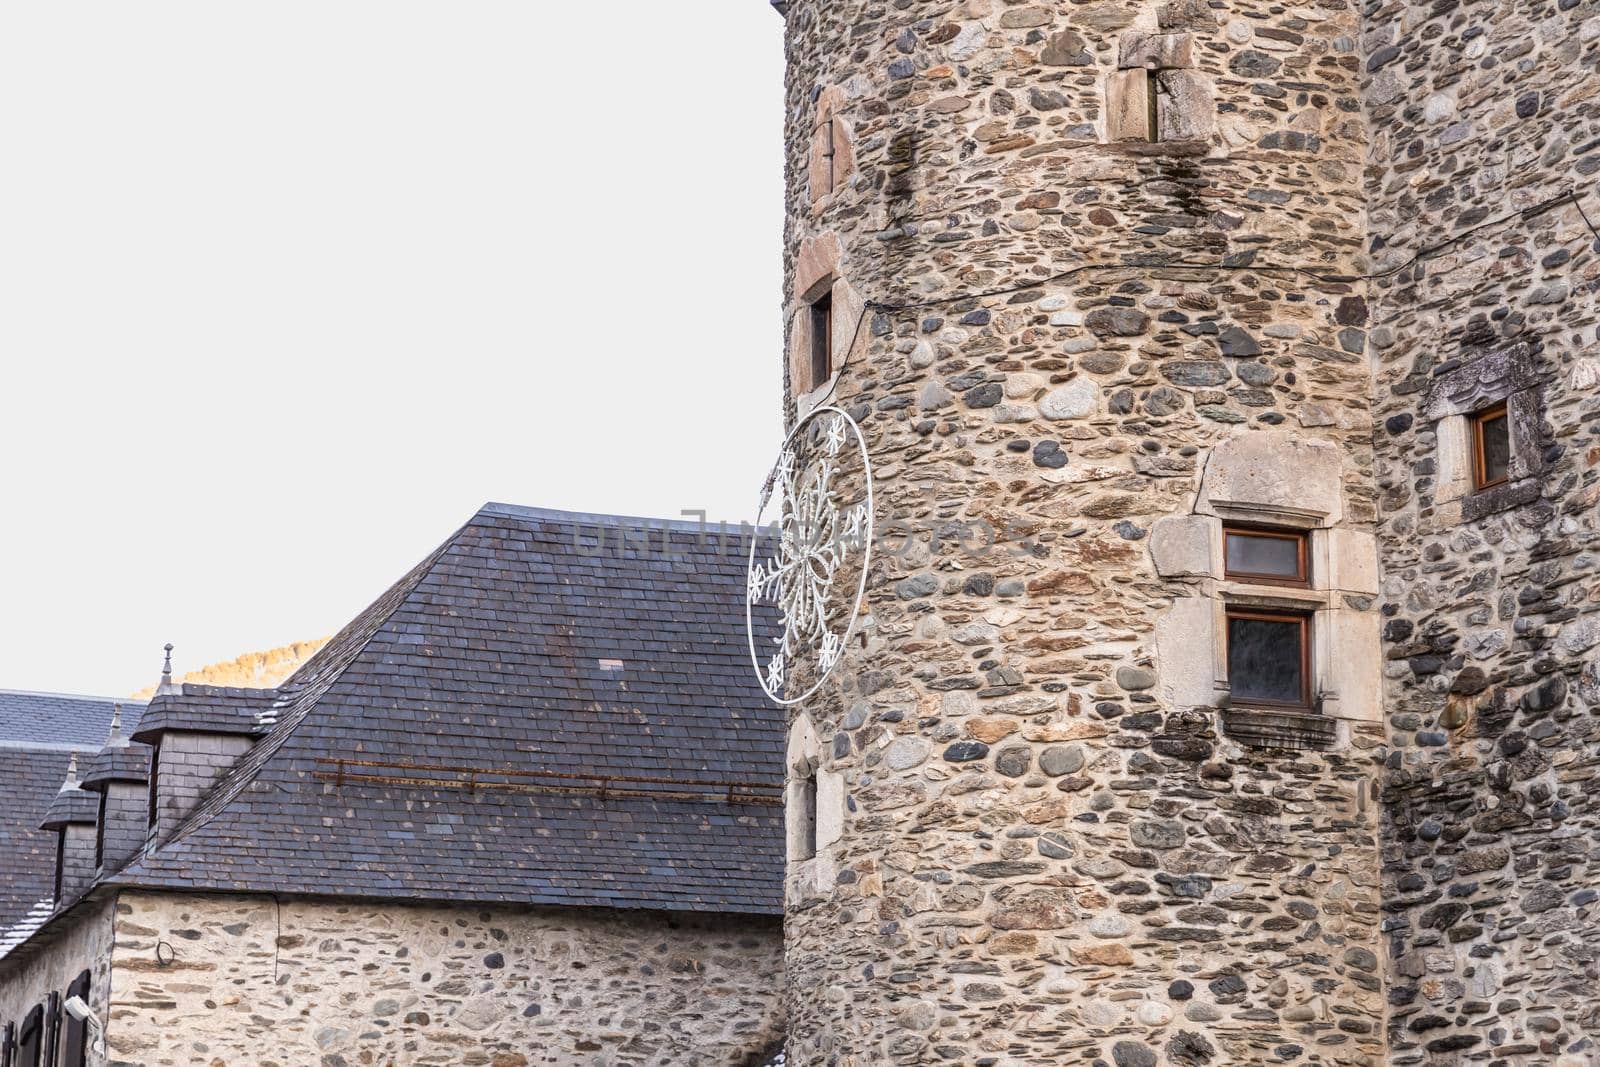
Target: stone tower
[(1138, 759)]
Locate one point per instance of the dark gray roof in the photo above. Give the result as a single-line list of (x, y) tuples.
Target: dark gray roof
[(60, 720), (129, 763), (71, 806), (205, 709), (38, 734), (32, 778), (468, 703)]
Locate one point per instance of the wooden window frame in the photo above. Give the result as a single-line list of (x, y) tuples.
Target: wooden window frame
[(1480, 476), (1302, 538), (1306, 703)]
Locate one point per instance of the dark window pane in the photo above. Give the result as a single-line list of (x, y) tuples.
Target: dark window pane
[(1278, 557), (1496, 443), (1265, 660), (821, 339)]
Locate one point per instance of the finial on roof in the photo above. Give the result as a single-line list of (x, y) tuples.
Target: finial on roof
[(166, 685), (115, 739), (72, 774)]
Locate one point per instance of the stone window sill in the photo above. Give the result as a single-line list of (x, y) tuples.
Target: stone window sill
[(1267, 728), (1498, 498)]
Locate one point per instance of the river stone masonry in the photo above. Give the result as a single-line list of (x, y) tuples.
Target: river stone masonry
[(1093, 336)]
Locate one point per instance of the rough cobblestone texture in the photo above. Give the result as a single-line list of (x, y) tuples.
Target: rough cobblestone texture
[(1083, 860), (248, 982), (1491, 861)]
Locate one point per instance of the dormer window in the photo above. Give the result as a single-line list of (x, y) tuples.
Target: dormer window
[(61, 864), (100, 834), (1491, 447)]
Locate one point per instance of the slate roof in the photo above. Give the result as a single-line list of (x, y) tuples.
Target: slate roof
[(59, 720), (38, 734), (206, 709), (478, 705)]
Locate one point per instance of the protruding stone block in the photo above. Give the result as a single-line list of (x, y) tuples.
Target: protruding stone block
[(1181, 546), (1185, 110), (1273, 475), (1186, 653), (1128, 106), (1156, 51)]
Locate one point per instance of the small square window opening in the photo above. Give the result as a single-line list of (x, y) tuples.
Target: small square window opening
[(1271, 557), (1269, 659), (1491, 447)]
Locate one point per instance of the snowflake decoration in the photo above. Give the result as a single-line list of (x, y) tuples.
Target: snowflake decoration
[(819, 535)]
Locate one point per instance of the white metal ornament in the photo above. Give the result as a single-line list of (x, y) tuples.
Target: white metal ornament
[(818, 534)]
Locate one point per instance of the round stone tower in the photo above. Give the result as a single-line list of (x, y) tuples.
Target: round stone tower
[(1092, 784)]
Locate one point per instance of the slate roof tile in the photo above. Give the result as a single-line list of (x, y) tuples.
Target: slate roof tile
[(485, 658)]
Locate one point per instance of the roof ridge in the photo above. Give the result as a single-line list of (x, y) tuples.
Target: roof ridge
[(521, 511), (126, 701), (342, 650)]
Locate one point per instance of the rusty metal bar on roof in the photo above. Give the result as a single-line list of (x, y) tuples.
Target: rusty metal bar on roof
[(472, 778)]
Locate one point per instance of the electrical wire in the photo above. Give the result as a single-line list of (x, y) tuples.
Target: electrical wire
[(1540, 208)]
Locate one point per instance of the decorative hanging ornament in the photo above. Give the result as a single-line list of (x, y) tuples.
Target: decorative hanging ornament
[(809, 557)]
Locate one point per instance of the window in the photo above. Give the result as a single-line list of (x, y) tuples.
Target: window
[(806, 812), (61, 856), (100, 831), (1273, 557), (1491, 447), (1151, 90), (1269, 658), (75, 1041), (155, 765), (821, 338)]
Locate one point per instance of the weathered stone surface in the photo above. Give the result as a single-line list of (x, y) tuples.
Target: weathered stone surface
[(319, 982), (1074, 400)]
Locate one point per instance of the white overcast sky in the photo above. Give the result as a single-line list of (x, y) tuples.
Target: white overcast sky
[(289, 289)]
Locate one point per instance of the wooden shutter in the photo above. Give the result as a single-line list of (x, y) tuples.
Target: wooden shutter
[(28, 1039), (50, 1042), (8, 1045), (75, 1046)]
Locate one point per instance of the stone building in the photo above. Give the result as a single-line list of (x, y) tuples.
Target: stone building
[(1263, 340), (525, 809)]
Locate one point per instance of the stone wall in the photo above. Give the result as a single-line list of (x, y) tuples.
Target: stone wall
[(1482, 111), (250, 982), (1048, 850), (78, 941)]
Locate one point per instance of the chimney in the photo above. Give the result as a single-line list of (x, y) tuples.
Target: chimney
[(120, 773), (72, 816), (196, 734)]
